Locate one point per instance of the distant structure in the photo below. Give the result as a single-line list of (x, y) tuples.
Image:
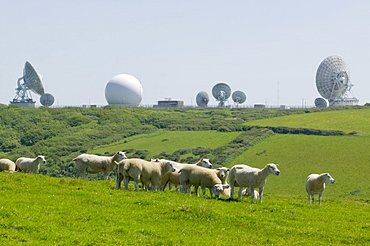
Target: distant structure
[(202, 99), (238, 97), (31, 81), (170, 104), (333, 82), (124, 90), (221, 92), (320, 102)]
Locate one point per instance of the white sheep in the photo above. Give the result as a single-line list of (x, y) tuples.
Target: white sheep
[(245, 192), (173, 178), (87, 163), (143, 171), (203, 177), (30, 165), (246, 176), (315, 184), (222, 173), (7, 165)]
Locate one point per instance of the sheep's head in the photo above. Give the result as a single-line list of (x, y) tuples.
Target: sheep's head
[(41, 159), (218, 188), (222, 171), (273, 169), (119, 156), (205, 163), (328, 178)]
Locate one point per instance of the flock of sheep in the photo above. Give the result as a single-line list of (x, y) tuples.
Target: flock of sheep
[(157, 174)]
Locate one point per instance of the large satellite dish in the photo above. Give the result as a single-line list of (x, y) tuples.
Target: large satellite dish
[(320, 102), (238, 97), (202, 99), (30, 81), (221, 92), (333, 81)]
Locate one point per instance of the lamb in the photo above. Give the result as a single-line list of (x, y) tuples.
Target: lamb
[(87, 163), (7, 165), (315, 184), (203, 177), (245, 192), (246, 176), (30, 165), (142, 171)]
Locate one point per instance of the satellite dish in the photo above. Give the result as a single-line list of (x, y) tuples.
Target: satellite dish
[(333, 81), (239, 97), (221, 92), (47, 100), (30, 81), (202, 99), (320, 102)]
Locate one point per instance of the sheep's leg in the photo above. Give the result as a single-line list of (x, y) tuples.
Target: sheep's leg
[(252, 193), (312, 199), (240, 192), (196, 188), (125, 181), (204, 192), (261, 194), (105, 177), (320, 196), (119, 180), (309, 198), (136, 185)]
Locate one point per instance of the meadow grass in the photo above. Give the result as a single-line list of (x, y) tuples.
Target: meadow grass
[(41, 210), (170, 141), (344, 157), (343, 120)]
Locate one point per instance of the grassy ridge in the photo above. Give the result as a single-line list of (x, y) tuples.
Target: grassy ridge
[(344, 120), (41, 210)]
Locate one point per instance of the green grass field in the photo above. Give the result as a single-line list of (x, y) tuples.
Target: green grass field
[(41, 210), (169, 141), (343, 120)]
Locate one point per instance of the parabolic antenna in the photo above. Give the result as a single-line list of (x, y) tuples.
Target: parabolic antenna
[(32, 79), (239, 97), (320, 102), (221, 92), (47, 100), (333, 81), (202, 99)]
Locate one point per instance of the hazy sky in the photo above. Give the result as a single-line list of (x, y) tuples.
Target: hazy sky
[(268, 49)]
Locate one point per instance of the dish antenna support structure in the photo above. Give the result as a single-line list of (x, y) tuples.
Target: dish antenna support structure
[(333, 82), (221, 92), (31, 81)]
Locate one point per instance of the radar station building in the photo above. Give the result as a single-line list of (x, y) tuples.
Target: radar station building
[(170, 104)]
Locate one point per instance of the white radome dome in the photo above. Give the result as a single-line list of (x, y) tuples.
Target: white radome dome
[(124, 90)]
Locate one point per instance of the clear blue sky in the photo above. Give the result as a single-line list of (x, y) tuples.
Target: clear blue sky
[(178, 48)]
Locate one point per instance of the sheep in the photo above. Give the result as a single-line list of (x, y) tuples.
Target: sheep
[(30, 165), (246, 176), (222, 173), (142, 170), (245, 192), (315, 184), (173, 178), (7, 165), (87, 163), (203, 177)]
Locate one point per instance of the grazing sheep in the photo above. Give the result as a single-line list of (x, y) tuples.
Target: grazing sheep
[(246, 176), (144, 171), (203, 177), (7, 165), (30, 165), (173, 178), (315, 184), (87, 163), (245, 192)]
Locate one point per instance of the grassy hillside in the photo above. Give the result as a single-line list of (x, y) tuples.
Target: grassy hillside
[(344, 120), (42, 210)]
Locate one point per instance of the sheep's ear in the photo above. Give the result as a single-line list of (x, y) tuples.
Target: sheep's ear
[(277, 165), (218, 169), (226, 186), (116, 163), (228, 169)]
